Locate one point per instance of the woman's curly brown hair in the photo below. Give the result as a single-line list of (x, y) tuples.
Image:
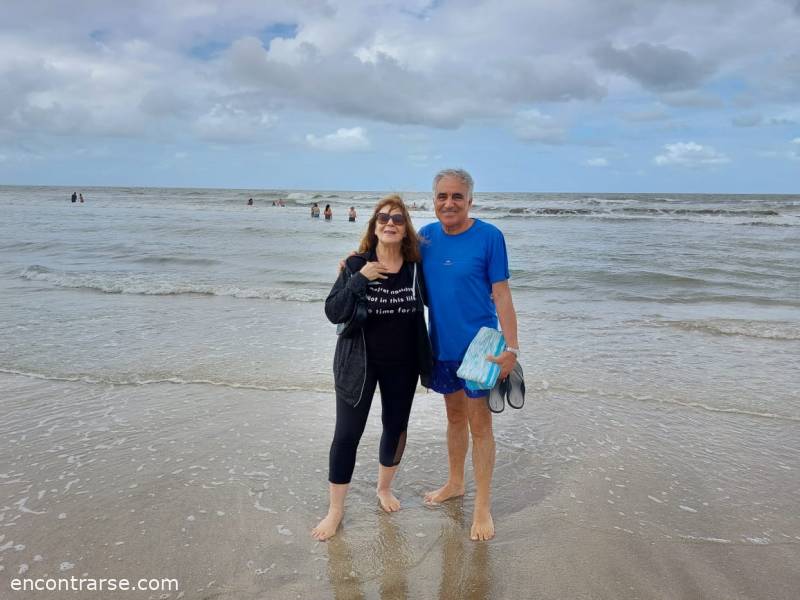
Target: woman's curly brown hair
[(410, 243)]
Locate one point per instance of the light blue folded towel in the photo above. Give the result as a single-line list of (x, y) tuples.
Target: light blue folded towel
[(477, 372)]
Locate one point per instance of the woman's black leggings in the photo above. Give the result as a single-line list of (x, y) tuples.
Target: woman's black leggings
[(397, 384)]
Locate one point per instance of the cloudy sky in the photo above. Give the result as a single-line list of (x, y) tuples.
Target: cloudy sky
[(530, 95)]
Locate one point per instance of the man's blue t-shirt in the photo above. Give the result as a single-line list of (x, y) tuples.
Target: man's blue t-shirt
[(459, 272)]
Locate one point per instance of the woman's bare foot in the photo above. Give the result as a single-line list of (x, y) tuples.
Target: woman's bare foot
[(447, 491), (388, 501), (326, 528), (482, 526)]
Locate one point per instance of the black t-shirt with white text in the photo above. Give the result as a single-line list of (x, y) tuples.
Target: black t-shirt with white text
[(391, 313)]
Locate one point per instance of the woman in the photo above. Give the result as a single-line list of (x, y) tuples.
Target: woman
[(328, 212), (389, 348)]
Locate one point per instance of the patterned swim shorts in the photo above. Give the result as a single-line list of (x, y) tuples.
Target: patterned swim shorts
[(445, 381)]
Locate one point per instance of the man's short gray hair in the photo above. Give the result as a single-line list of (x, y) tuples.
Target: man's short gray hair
[(461, 174)]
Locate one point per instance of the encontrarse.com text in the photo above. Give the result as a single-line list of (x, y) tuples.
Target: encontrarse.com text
[(92, 584)]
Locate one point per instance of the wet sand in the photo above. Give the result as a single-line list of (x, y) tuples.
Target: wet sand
[(218, 488)]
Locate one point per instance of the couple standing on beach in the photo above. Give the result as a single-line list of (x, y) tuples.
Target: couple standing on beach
[(378, 303)]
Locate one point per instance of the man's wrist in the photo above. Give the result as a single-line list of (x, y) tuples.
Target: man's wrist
[(514, 351)]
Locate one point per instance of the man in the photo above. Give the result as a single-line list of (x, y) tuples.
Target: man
[(466, 273)]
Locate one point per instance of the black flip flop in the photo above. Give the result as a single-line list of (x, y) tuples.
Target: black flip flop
[(515, 387), (497, 396)]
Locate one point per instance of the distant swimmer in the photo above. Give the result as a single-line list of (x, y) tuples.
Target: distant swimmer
[(351, 216), (315, 210), (328, 212), (74, 196), (81, 197), (281, 202), (250, 202)]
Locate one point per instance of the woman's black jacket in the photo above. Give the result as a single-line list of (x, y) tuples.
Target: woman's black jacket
[(350, 358)]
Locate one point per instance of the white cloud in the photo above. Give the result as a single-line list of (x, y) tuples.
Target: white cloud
[(533, 126), (692, 99), (342, 140), (796, 140), (163, 102), (655, 66), (597, 162), (227, 123), (62, 88), (401, 89), (690, 154)]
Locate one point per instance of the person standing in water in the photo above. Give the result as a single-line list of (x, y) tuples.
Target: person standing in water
[(388, 347), (328, 212), (351, 216), (466, 265)]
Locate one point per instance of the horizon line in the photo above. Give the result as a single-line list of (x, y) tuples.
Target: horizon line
[(476, 192)]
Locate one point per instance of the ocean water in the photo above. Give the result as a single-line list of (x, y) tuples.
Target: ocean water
[(689, 299), (165, 388)]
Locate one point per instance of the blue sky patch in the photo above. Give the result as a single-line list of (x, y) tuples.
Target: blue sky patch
[(278, 30), (208, 50)]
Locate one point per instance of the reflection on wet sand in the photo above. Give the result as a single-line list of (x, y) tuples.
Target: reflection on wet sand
[(341, 570), (466, 570), (390, 555), (390, 560), (397, 558)]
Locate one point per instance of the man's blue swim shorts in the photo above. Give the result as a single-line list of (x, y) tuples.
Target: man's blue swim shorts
[(445, 381)]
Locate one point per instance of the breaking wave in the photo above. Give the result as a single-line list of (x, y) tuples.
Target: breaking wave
[(150, 284), (628, 211), (766, 330)]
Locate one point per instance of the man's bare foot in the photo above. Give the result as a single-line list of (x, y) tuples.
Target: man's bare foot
[(326, 528), (482, 526), (388, 501), (447, 491)]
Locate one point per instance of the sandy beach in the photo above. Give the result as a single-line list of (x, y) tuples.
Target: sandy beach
[(218, 488)]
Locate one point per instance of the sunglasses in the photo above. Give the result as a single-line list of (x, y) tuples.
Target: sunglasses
[(384, 218)]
